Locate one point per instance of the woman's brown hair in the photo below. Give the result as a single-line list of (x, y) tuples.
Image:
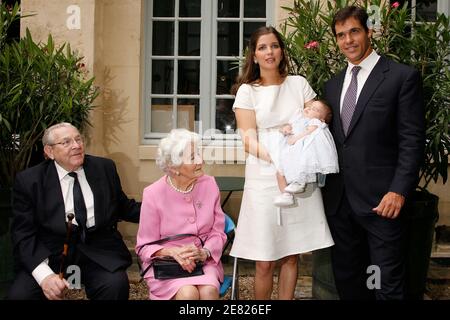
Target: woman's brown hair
[(250, 71)]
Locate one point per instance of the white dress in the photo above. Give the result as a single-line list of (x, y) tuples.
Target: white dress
[(314, 153), (303, 226)]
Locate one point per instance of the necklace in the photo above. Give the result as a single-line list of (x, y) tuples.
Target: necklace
[(177, 189)]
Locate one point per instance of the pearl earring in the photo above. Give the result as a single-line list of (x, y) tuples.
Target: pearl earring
[(177, 173)]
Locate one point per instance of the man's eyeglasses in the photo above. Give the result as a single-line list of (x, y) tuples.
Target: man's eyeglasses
[(67, 143)]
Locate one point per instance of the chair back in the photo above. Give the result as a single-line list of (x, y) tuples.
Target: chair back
[(229, 224), (228, 229)]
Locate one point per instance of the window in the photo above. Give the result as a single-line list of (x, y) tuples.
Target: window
[(191, 61), (425, 10)]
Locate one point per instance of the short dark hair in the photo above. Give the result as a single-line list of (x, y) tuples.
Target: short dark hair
[(352, 11)]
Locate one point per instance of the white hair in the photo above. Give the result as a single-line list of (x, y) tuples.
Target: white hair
[(172, 147), (48, 133)]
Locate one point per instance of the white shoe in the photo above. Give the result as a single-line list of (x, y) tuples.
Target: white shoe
[(295, 187), (284, 200)]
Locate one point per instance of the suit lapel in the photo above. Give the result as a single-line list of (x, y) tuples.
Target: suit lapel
[(54, 200), (95, 182), (339, 132), (372, 83)]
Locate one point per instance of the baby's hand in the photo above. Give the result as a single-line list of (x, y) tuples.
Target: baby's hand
[(291, 140), (286, 130)]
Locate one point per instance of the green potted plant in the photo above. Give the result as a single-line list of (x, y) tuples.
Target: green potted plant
[(40, 85), (426, 46)]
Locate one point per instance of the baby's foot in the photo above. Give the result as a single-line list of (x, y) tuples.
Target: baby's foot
[(295, 187), (284, 200)]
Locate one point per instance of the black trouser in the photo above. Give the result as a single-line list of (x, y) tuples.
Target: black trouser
[(99, 283), (361, 241)]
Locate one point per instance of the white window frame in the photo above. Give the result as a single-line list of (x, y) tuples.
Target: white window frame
[(208, 65), (443, 6)]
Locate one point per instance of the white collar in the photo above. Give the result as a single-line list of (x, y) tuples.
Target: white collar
[(367, 64), (62, 173)]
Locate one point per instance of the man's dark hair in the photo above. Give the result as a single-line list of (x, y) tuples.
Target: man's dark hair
[(352, 11)]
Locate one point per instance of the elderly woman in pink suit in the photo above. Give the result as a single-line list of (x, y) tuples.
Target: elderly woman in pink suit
[(182, 201)]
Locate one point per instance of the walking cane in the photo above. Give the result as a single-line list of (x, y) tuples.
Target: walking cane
[(70, 217)]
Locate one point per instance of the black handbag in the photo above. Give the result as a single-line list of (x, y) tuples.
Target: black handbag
[(166, 267)]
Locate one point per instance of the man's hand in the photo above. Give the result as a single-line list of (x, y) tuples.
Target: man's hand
[(390, 205), (53, 287)]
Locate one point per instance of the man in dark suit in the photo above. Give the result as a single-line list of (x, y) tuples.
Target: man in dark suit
[(378, 128), (44, 195)]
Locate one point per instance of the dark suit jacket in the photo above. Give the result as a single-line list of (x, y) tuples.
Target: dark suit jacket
[(39, 229), (384, 146)]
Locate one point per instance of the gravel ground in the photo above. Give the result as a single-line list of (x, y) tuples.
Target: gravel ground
[(139, 291), (435, 290)]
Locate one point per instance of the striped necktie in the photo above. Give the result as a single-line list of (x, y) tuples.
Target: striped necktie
[(349, 103)]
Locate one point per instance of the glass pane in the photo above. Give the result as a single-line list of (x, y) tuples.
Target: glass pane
[(228, 8), (426, 10), (189, 39), (189, 77), (254, 9), (249, 27), (162, 76), (163, 8), (161, 114), (188, 114), (228, 38), (225, 119), (163, 35), (227, 72), (190, 8)]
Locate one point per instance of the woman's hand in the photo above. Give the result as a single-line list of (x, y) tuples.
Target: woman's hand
[(187, 256), (197, 254), (179, 254), (292, 140), (286, 130)]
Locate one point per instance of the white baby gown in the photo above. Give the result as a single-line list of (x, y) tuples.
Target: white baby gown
[(314, 153)]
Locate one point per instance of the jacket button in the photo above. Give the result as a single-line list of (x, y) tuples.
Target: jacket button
[(188, 199), (191, 220)]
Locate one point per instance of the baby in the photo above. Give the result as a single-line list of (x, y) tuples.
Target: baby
[(308, 150)]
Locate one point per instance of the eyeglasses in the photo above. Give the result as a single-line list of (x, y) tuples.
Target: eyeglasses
[(68, 142)]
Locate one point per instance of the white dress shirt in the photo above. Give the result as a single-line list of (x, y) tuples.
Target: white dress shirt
[(66, 181), (367, 66)]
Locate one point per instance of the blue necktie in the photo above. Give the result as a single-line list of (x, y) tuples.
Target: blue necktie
[(349, 103)]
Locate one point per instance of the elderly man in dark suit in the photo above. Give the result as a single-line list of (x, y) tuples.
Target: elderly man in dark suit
[(44, 195), (378, 128)]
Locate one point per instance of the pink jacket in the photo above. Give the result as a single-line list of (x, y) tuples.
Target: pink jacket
[(166, 212)]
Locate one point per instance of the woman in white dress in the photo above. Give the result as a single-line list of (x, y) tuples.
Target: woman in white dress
[(266, 98)]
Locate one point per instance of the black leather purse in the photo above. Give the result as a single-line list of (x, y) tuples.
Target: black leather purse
[(166, 267)]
